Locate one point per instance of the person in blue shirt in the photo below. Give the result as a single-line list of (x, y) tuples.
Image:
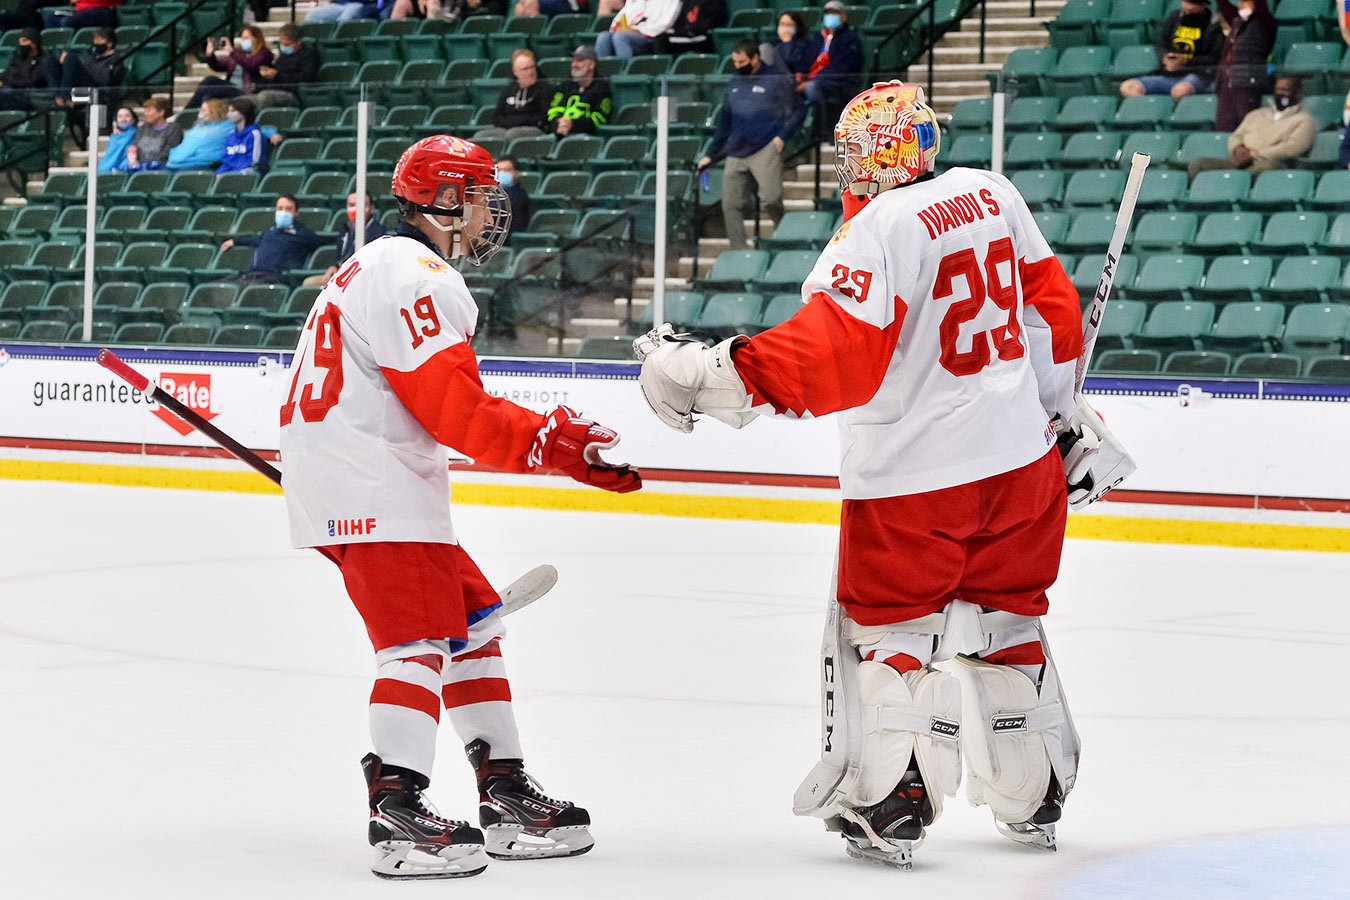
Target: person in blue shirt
[(759, 117), (245, 147), (793, 49), (346, 239), (114, 157), (203, 145), (281, 248), (834, 72)]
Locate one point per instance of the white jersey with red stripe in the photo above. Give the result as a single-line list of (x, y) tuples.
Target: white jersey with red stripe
[(383, 380), (942, 328)]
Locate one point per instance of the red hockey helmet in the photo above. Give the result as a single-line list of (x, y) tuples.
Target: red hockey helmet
[(431, 165)]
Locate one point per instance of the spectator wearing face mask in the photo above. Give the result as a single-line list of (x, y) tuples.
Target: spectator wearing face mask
[(297, 63), (240, 60), (1187, 48), (1242, 77), (24, 72), (114, 157), (584, 103), (245, 147), (836, 60), (283, 247), (101, 67), (203, 145), (346, 239), (508, 177), (522, 107), (155, 137), (1269, 137), (793, 50)]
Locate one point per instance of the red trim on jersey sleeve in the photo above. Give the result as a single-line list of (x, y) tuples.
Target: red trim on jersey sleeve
[(820, 361), (1049, 290), (447, 397)]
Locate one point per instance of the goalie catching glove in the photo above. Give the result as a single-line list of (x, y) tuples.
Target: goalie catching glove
[(571, 445), (681, 376), (1094, 461)]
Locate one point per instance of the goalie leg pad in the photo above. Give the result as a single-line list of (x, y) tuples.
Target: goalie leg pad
[(1015, 737)]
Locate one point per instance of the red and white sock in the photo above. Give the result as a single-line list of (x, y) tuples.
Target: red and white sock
[(405, 708), (1019, 647), (900, 650), (477, 695)]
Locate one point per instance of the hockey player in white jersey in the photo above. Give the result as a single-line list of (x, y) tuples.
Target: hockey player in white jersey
[(940, 327), (384, 380)]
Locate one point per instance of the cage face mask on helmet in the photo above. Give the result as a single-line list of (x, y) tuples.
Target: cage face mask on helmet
[(446, 176), (887, 136)]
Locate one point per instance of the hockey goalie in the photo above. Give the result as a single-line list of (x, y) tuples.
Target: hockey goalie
[(941, 328)]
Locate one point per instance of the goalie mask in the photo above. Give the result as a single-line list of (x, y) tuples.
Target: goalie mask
[(457, 179), (887, 136)]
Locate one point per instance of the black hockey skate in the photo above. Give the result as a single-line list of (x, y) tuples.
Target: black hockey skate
[(518, 820), (410, 840), (889, 832), (1039, 830)]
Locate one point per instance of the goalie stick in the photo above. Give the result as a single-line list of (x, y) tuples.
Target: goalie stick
[(516, 596), (1138, 163)]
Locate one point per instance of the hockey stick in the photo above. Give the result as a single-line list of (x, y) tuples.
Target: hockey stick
[(518, 594), (1138, 164)]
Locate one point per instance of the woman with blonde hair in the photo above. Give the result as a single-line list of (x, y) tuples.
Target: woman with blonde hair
[(238, 60)]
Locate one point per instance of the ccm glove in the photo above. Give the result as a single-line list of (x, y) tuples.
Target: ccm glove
[(1094, 461), (570, 444)]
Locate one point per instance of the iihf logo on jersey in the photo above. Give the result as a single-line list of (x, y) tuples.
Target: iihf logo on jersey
[(345, 527), (193, 390)]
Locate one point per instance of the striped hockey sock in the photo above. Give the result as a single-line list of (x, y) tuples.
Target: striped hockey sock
[(405, 711), (477, 699)]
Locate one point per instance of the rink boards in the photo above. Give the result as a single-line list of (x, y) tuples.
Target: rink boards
[(1210, 443)]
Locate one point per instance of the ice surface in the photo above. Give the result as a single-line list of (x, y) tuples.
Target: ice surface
[(183, 708)]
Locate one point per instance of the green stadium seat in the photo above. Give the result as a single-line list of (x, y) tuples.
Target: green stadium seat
[(1316, 329), (1135, 60), (970, 114), (1162, 146), (160, 303), (682, 310), (1325, 153), (1326, 109), (20, 296), (1333, 191), (1090, 150), (1310, 15), (1162, 189), (1031, 113), (1090, 232), (44, 330), (239, 336), (736, 268), (1095, 188), (1281, 189), (33, 221), (1202, 144), (800, 230), (1040, 187), (605, 348), (182, 263), (1292, 232), (1272, 366), (1121, 319), (1138, 113), (271, 186), (1027, 71), (9, 329), (1175, 324), (1246, 328), (229, 263), (644, 66), (423, 48), (779, 308), (622, 152), (572, 153), (208, 301), (316, 121), (1328, 368), (1128, 362), (560, 190), (162, 223), (139, 334), (1168, 278), (113, 297), (378, 48), (1313, 61), (1194, 112), (1304, 279), (282, 337), (13, 253), (1078, 68), (1337, 239), (631, 90), (1077, 23), (1164, 232), (296, 154), (1054, 225), (282, 118), (49, 258), (70, 221), (970, 150), (190, 334), (608, 190), (1220, 190), (1197, 362), (1235, 279), (354, 29), (64, 302), (1130, 22), (787, 271), (1226, 232), (1085, 113), (1088, 273), (731, 314), (502, 44), (60, 189), (102, 332)]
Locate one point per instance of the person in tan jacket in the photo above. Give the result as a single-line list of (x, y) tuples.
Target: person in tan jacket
[(1269, 136)]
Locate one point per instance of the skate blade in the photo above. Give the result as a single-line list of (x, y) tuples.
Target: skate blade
[(405, 861), (1039, 837), (902, 857), (513, 842)]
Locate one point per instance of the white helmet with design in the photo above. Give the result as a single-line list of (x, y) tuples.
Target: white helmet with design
[(887, 136)]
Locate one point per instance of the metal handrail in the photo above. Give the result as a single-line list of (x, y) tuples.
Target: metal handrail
[(176, 52)]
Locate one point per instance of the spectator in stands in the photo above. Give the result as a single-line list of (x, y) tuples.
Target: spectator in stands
[(584, 103), (1188, 48), (508, 176), (412, 9), (281, 248), (241, 61), (203, 145), (25, 14), (24, 72), (1269, 136), (522, 107), (793, 50), (1242, 76), (836, 55), (343, 11), (689, 33), (101, 67), (454, 10), (346, 239), (635, 26), (114, 157), (245, 147), (297, 63), (87, 14), (759, 116), (155, 136)]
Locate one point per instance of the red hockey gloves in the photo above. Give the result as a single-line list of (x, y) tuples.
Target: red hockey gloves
[(572, 445)]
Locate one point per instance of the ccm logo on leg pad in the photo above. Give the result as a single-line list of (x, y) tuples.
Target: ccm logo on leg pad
[(944, 728), (1001, 724)]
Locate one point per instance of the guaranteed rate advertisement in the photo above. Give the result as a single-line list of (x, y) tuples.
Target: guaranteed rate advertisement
[(1242, 439)]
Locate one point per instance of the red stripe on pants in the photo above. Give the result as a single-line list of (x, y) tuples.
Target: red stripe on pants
[(409, 696), (479, 690)]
